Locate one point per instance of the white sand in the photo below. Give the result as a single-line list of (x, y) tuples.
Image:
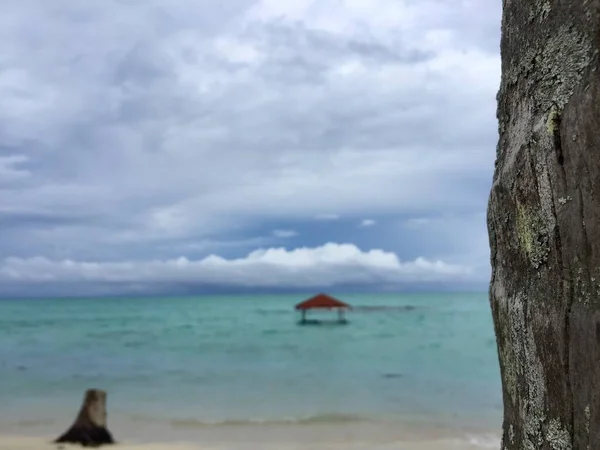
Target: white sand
[(30, 443), (348, 436)]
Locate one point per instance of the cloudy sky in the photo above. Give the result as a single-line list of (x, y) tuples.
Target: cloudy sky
[(184, 145)]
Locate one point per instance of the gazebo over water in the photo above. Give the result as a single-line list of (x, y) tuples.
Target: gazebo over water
[(322, 302)]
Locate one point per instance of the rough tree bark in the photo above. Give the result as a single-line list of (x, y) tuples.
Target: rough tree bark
[(544, 225), (89, 428)]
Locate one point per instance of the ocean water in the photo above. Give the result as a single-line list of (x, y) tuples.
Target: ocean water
[(426, 359)]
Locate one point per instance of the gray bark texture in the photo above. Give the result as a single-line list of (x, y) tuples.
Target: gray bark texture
[(544, 225)]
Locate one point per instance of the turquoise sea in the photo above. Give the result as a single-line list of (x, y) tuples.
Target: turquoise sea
[(208, 360)]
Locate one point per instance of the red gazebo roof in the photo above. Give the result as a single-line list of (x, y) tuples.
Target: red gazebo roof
[(322, 301)]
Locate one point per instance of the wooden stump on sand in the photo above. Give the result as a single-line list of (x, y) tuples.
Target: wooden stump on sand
[(89, 428)]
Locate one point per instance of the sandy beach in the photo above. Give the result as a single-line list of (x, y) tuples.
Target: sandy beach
[(363, 436), (44, 443)]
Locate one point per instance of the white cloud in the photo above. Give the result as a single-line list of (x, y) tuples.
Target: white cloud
[(285, 233), (190, 122), (328, 265), (367, 223)]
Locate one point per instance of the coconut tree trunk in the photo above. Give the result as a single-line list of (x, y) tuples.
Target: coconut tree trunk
[(89, 428), (544, 224)]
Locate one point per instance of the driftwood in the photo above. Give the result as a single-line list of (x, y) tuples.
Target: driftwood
[(544, 225), (89, 428)]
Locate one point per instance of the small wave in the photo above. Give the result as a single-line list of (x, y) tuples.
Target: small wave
[(385, 308), (331, 418), (272, 332), (392, 375), (484, 441), (272, 312), (26, 423)]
